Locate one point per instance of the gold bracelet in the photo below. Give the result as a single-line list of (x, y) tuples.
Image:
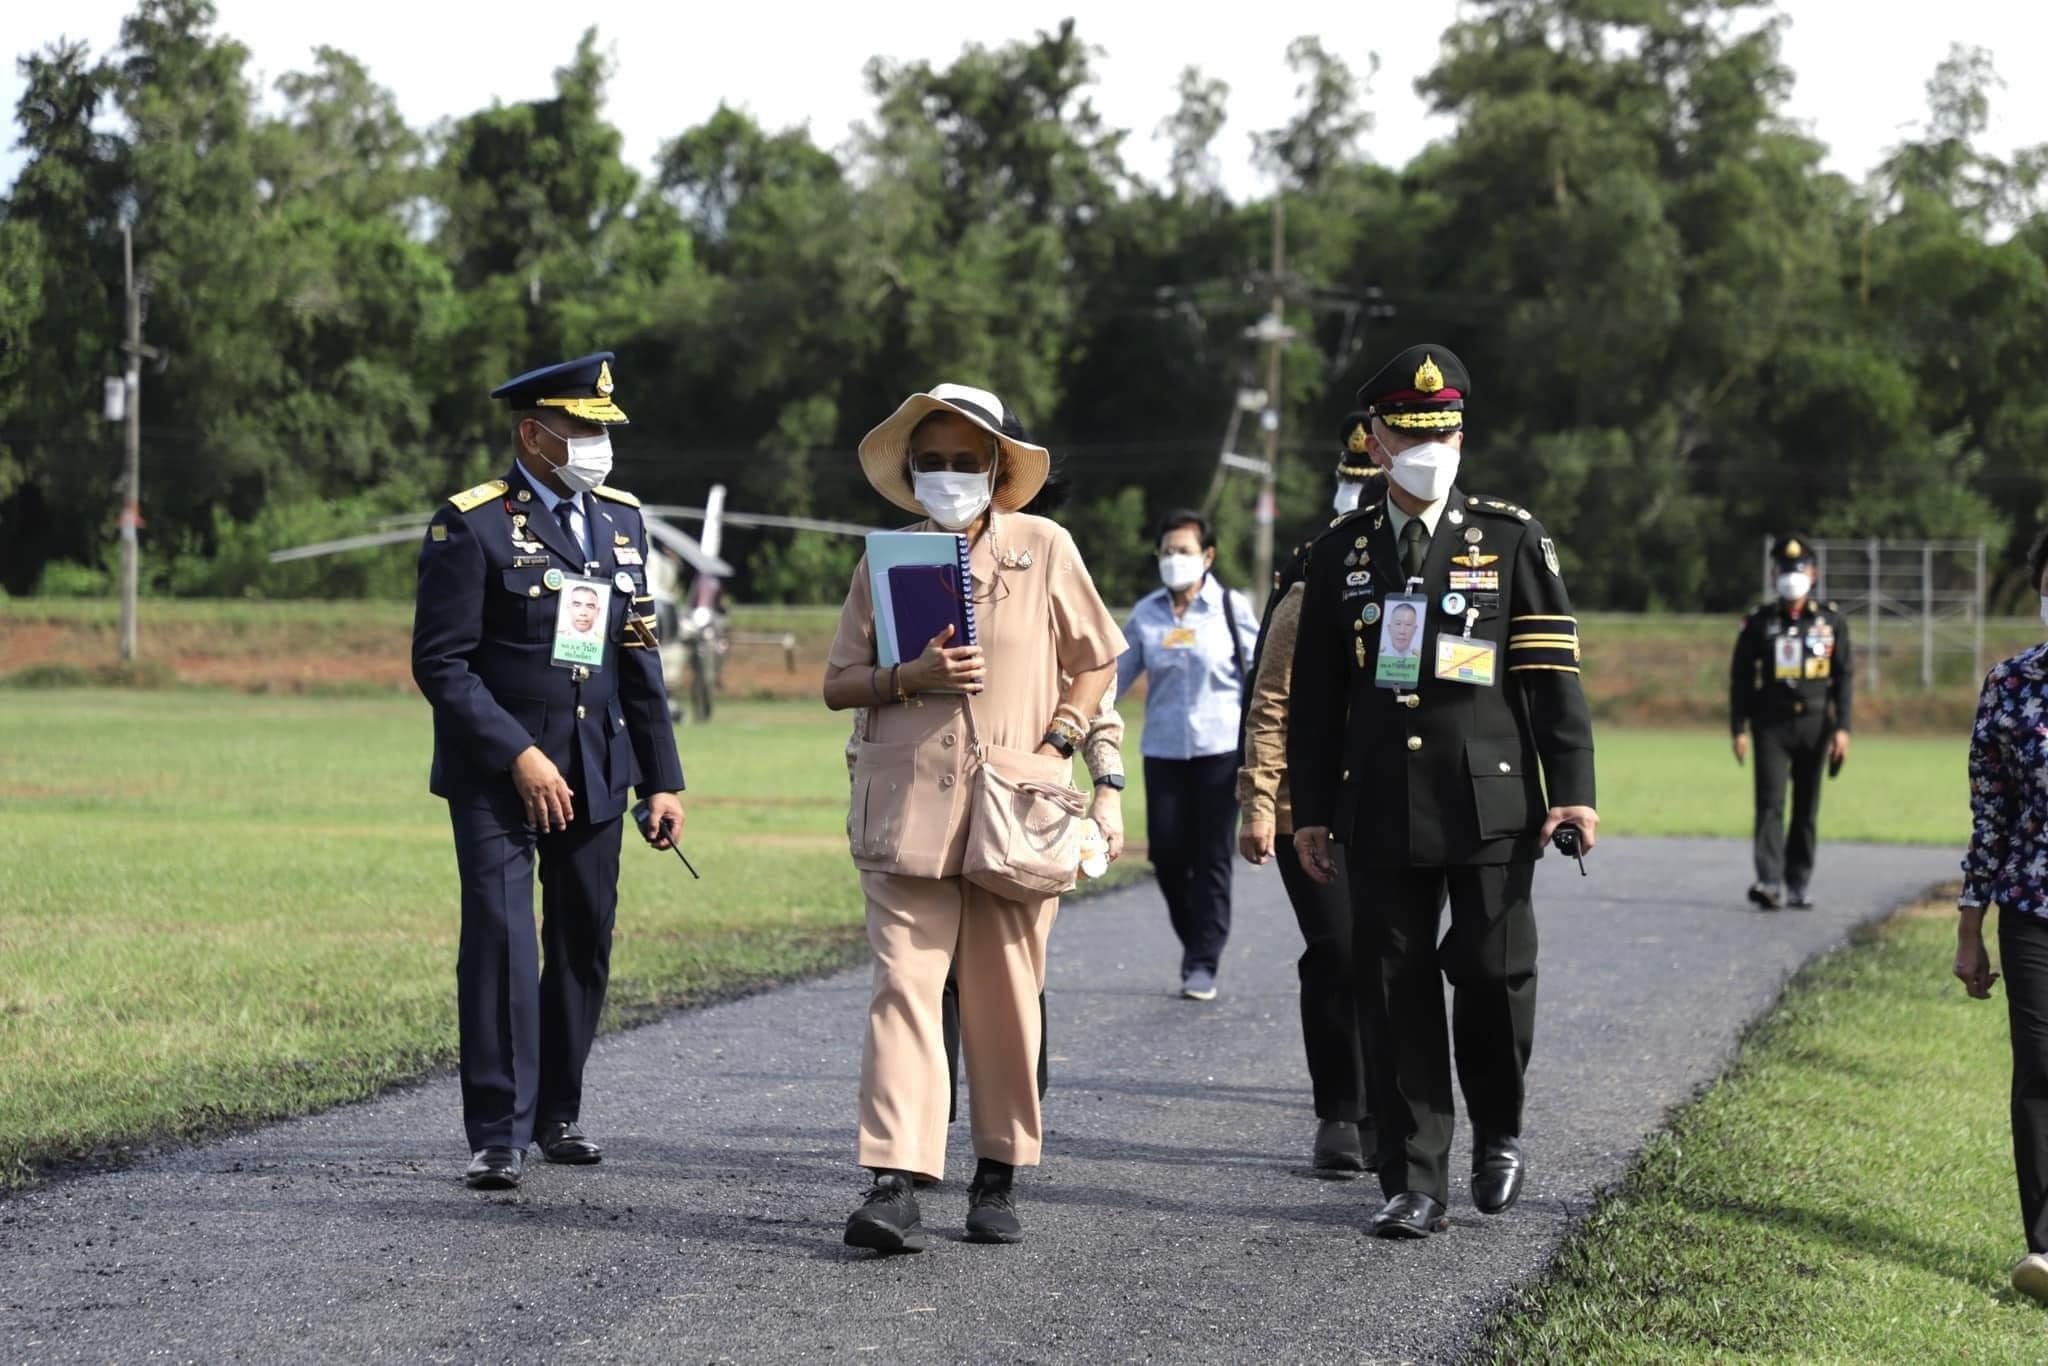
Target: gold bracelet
[(896, 683)]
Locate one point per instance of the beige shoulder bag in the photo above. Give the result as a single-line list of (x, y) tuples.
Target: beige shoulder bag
[(1024, 821)]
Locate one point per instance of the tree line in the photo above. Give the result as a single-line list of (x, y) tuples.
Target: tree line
[(1684, 333)]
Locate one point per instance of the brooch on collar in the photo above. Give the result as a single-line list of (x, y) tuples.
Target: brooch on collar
[(1015, 559)]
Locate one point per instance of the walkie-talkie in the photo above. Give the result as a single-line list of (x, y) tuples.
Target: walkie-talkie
[(644, 818), (1571, 844)]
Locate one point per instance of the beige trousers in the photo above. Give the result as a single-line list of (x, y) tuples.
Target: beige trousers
[(916, 927)]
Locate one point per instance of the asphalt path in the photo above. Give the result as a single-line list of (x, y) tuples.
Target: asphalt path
[(1174, 1218)]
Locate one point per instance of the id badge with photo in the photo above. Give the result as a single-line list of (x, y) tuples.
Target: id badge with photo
[(1402, 616), (1466, 659), (1789, 654), (582, 611)]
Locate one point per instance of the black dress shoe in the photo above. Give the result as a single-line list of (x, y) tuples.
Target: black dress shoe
[(991, 1208), (494, 1169), (1339, 1152), (1766, 895), (1497, 1170), (887, 1220), (1410, 1214), (564, 1142)]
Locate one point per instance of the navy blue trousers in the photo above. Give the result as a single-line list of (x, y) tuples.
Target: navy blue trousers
[(526, 1031)]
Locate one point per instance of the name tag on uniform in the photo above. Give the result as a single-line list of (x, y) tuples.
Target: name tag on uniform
[(1400, 654), (1180, 638), (1789, 656), (1462, 659), (582, 614)]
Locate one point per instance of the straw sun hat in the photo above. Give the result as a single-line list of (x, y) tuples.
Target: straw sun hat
[(1021, 467)]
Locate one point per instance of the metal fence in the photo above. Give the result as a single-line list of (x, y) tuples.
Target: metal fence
[(1908, 603)]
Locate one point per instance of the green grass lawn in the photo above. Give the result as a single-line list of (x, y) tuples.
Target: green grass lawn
[(1845, 1193), (219, 907)]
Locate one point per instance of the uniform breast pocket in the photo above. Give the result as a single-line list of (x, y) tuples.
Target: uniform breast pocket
[(529, 602), (1504, 793)]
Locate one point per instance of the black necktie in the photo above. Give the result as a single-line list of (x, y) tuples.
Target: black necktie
[(1414, 547), (565, 512)]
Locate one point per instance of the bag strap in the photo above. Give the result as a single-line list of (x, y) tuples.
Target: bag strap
[(1244, 672), (973, 731)]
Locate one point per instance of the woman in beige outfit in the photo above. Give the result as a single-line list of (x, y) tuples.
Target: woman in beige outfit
[(1038, 620)]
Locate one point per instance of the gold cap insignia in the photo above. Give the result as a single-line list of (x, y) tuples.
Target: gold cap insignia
[(604, 379), (1355, 443), (1429, 379), (1792, 549)]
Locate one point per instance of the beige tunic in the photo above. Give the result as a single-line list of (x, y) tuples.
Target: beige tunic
[(1038, 618)]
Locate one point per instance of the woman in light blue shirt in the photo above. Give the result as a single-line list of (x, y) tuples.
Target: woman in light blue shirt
[(1194, 640)]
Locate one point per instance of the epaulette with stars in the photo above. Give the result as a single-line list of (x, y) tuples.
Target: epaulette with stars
[(1342, 520), (1500, 507), (469, 500)]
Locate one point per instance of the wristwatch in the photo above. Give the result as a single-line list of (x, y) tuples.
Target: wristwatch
[(1114, 781), (1060, 742)]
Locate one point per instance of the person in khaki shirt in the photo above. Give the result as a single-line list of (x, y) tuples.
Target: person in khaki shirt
[(1046, 653), (1330, 1034)]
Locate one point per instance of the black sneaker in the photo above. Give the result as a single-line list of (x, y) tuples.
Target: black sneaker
[(1799, 900), (1767, 895), (991, 1212), (887, 1220)]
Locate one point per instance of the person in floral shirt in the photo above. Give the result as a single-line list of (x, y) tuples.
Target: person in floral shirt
[(2007, 867)]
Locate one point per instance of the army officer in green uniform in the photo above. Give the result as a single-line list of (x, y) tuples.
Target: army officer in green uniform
[(1443, 770), (1789, 685)]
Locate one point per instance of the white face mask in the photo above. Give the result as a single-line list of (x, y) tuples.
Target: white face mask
[(1347, 497), (1794, 586), (1427, 471), (1181, 572), (953, 500), (589, 462)]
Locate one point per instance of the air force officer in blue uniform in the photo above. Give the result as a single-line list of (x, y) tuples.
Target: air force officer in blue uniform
[(533, 639)]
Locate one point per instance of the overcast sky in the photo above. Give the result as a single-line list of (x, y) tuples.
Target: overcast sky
[(1861, 64)]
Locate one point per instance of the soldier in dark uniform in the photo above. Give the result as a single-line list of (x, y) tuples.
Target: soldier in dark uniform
[(1443, 774), (1345, 1143), (539, 730), (1789, 683)]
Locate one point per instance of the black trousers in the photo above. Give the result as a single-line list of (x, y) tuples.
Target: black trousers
[(2023, 957), (1490, 958), (1330, 1004), (1795, 747), (949, 1025), (1191, 825), (526, 1032)]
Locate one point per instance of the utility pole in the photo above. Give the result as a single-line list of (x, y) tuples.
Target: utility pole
[(1276, 335), (131, 477)]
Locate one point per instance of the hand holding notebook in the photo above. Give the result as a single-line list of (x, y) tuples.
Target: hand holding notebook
[(923, 588)]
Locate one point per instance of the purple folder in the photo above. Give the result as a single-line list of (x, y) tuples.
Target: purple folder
[(927, 600)]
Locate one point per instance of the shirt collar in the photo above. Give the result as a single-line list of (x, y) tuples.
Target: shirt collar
[(548, 497), (1432, 516)]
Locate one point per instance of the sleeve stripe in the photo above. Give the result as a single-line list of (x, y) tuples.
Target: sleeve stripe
[(1572, 621), (1529, 642), (1545, 668)]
